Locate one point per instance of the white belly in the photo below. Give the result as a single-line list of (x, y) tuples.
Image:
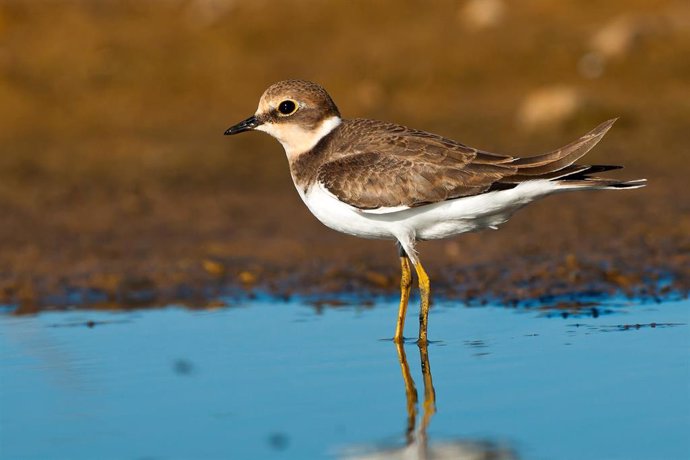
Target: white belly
[(428, 222)]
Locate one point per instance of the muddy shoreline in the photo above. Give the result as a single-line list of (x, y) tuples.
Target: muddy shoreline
[(203, 249)]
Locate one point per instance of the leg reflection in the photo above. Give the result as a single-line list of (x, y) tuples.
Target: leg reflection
[(429, 404), (429, 407), (417, 444), (410, 393)]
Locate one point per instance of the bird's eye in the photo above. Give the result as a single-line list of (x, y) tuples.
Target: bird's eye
[(287, 107)]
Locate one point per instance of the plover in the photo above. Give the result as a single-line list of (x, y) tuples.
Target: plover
[(381, 180)]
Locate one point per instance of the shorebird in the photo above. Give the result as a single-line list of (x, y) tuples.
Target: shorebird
[(380, 180)]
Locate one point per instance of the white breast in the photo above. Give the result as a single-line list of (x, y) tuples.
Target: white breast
[(343, 217), (433, 221)]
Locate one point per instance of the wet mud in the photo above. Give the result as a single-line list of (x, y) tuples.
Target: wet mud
[(558, 254)]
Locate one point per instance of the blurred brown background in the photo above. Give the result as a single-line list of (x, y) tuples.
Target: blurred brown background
[(114, 174)]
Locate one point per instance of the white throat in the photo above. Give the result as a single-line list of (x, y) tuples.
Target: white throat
[(297, 140)]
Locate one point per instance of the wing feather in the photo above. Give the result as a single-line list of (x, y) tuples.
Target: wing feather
[(383, 167)]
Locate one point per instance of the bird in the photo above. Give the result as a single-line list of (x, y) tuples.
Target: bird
[(381, 180)]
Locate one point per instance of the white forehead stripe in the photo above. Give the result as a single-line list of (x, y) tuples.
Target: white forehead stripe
[(297, 140)]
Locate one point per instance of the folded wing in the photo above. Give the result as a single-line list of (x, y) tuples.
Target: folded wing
[(394, 167)]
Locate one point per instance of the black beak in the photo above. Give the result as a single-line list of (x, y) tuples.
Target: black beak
[(246, 125)]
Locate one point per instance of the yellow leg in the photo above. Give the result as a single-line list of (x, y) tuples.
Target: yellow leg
[(424, 290), (405, 284), (410, 393)]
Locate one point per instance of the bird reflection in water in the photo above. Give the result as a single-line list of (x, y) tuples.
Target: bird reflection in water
[(429, 406), (417, 444)]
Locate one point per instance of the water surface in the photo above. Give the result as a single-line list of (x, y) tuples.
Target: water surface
[(267, 379)]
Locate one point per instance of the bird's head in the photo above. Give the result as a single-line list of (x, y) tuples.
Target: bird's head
[(296, 112)]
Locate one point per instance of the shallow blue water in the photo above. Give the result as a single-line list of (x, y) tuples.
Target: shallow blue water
[(265, 379)]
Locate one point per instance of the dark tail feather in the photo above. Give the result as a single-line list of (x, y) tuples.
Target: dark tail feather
[(576, 175), (594, 169), (584, 179)]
